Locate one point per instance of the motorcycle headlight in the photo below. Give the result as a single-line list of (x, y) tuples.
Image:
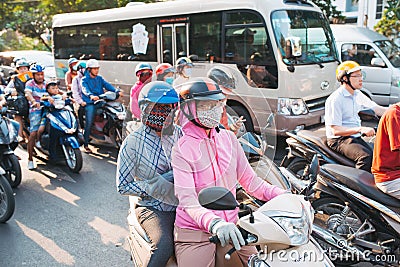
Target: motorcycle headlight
[(292, 106), (121, 115), (298, 229)]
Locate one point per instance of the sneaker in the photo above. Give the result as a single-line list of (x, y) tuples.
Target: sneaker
[(31, 165), (38, 145)]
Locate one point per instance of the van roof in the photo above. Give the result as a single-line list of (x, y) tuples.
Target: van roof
[(350, 33)]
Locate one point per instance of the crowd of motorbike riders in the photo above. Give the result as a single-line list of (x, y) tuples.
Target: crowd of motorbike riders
[(185, 143)]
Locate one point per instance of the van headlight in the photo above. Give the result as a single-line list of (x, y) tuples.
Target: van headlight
[(292, 106), (396, 81), (298, 229)]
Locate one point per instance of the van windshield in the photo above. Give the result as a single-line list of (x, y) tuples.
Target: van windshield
[(303, 37), (391, 51)]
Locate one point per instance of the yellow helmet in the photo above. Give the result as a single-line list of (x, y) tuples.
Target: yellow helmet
[(346, 68)]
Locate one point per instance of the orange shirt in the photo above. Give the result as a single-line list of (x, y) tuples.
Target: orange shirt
[(386, 160)]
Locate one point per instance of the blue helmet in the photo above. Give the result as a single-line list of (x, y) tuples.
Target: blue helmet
[(35, 68), (21, 63), (158, 92), (142, 66), (80, 65)]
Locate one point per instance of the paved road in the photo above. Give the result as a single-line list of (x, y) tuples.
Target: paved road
[(65, 219)]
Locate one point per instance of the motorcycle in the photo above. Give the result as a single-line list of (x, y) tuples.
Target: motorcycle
[(354, 220), (109, 119), (304, 144), (62, 120), (7, 200), (8, 143), (265, 168), (281, 227)]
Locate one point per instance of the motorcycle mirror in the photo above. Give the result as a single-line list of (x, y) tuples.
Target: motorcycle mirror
[(367, 115), (314, 168), (217, 198)]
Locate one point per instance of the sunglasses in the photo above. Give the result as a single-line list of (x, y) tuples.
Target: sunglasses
[(146, 74)]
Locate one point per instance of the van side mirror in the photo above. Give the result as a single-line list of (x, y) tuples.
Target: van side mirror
[(377, 62)]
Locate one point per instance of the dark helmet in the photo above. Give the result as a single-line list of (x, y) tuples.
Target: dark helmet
[(222, 76), (158, 92), (200, 89)]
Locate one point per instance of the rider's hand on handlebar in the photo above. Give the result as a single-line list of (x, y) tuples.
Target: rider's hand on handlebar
[(94, 97), (35, 104), (121, 94), (228, 231), (367, 131)]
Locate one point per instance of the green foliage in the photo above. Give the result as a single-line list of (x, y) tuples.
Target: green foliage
[(329, 9), (389, 25)]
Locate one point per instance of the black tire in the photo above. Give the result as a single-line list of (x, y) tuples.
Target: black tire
[(12, 167), (118, 137), (324, 208), (74, 159), (297, 166), (237, 111), (7, 200)]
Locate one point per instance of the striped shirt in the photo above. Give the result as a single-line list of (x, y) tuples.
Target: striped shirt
[(144, 167)]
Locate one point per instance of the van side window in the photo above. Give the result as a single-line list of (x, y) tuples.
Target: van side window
[(361, 53), (247, 44)]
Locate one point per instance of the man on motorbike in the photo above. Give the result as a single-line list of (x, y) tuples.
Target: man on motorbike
[(144, 168), (208, 156), (71, 73), (143, 72), (343, 125), (386, 160), (227, 84), (93, 85), (35, 89), (184, 67), (76, 88)]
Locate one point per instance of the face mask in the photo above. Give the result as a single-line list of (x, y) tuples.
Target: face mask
[(157, 116), (169, 80), (210, 118), (187, 72)]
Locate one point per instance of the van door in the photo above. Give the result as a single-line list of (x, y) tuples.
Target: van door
[(377, 80), (174, 41)]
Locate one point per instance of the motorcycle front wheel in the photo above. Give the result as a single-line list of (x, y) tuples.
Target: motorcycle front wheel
[(10, 164), (73, 158), (297, 167), (327, 212), (117, 137), (7, 200)]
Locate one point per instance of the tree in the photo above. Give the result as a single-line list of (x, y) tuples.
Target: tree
[(329, 9), (389, 25)]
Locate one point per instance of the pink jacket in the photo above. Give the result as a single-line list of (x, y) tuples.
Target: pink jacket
[(135, 90), (199, 162)]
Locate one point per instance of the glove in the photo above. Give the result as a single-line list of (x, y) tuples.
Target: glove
[(228, 231)]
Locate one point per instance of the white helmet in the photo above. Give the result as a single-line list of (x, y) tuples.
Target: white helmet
[(92, 63)]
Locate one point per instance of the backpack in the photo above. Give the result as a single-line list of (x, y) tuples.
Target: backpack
[(20, 103)]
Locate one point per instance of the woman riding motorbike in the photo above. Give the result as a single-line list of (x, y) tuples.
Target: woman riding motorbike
[(207, 156), (144, 168)]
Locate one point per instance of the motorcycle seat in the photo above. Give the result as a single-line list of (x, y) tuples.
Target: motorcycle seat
[(319, 138), (361, 181), (133, 222)]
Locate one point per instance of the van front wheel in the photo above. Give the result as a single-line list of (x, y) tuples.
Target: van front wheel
[(237, 111)]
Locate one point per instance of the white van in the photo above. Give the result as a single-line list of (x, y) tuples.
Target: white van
[(379, 57)]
